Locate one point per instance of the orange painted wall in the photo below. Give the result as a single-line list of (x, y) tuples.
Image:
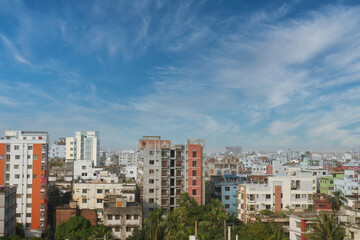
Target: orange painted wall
[(197, 148), (36, 188), (2, 164), (277, 198)]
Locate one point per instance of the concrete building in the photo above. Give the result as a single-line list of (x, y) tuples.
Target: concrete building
[(295, 191), (128, 158), (327, 184), (91, 195), (83, 169), (229, 196), (121, 216), (58, 149), (170, 170), (233, 150), (24, 164), (66, 211), (349, 183), (7, 211), (350, 218), (131, 172), (300, 223), (84, 146)]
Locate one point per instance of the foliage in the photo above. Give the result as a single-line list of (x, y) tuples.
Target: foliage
[(20, 230), (266, 212), (56, 164), (207, 192), (76, 228), (210, 219), (326, 227), (337, 200)]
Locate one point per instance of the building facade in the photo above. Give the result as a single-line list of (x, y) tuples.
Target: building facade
[(7, 211), (84, 146), (24, 163), (294, 191), (169, 170)]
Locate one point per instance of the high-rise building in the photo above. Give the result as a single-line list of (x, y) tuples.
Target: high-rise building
[(84, 146), (169, 170), (24, 163)]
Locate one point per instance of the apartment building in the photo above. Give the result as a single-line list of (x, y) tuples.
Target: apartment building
[(121, 216), (349, 182), (83, 146), (58, 149), (83, 169), (8, 211), (91, 195), (295, 191), (24, 164), (168, 170), (128, 157)]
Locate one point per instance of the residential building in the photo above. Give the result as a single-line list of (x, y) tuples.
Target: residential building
[(349, 183), (294, 191), (168, 170), (131, 172), (300, 223), (128, 158), (24, 164), (83, 146), (84, 169), (233, 150), (91, 195), (8, 211), (322, 202), (229, 196), (327, 184), (121, 216), (350, 218), (58, 149)]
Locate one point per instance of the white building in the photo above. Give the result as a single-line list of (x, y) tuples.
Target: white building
[(83, 169), (91, 195), (58, 149), (349, 184), (128, 158), (23, 163), (131, 172), (84, 146), (295, 191)]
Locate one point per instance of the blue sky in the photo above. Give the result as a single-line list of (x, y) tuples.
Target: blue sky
[(261, 74)]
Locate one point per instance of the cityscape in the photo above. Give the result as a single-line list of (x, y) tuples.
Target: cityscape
[(180, 120)]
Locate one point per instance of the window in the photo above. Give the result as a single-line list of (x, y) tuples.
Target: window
[(227, 188), (227, 206), (84, 174), (99, 191), (28, 196), (151, 171), (107, 190), (194, 192), (17, 176), (28, 215), (151, 162), (18, 195), (298, 224), (1, 157), (194, 163), (227, 197), (29, 185), (16, 166), (151, 200), (151, 152), (128, 217), (84, 200), (151, 190), (98, 200), (30, 147), (128, 229), (109, 217), (34, 176), (117, 229), (151, 181), (83, 167), (194, 182), (35, 157), (17, 156), (194, 153), (268, 196), (194, 172), (7, 167), (28, 176), (117, 217), (84, 191), (16, 147), (29, 166), (28, 205), (136, 217)]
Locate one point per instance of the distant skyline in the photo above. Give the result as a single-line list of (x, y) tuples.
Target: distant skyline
[(260, 74)]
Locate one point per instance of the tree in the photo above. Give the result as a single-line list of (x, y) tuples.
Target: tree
[(20, 230), (137, 234), (186, 200), (101, 231), (337, 200), (76, 228), (326, 227), (154, 225)]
